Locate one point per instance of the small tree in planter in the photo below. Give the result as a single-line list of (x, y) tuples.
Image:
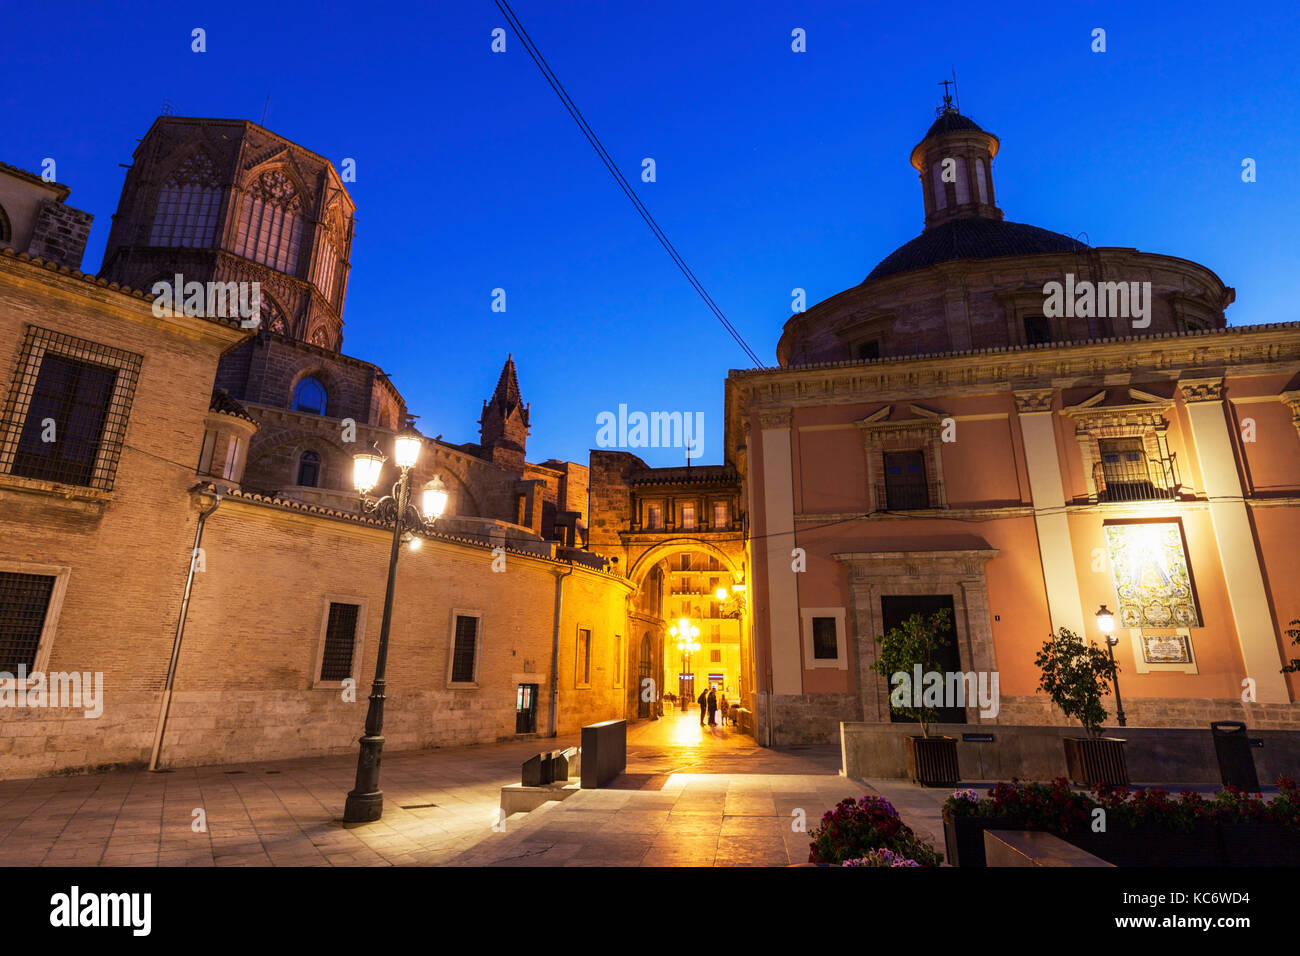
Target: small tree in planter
[(919, 641), (1074, 675)]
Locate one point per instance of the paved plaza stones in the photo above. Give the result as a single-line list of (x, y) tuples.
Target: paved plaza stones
[(691, 796)]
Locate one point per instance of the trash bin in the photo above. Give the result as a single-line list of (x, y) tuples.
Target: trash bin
[(1236, 762)]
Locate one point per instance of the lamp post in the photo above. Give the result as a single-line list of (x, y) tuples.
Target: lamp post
[(686, 634), (366, 801), (1106, 623)]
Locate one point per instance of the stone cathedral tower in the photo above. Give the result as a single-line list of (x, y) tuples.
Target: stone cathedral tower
[(227, 201), (503, 428)]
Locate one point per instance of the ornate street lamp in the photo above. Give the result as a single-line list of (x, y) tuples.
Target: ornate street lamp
[(732, 602), (366, 801), (686, 634), (1106, 624)]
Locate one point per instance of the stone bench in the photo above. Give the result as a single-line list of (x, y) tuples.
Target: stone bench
[(1034, 848), (551, 766), (604, 748)]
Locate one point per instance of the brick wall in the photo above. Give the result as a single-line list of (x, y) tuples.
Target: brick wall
[(60, 234)]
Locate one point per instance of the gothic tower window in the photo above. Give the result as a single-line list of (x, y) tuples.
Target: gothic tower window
[(186, 214), (309, 469), (332, 239), (309, 396), (270, 223)]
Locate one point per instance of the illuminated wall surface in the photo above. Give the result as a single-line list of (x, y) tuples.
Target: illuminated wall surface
[(1153, 586)]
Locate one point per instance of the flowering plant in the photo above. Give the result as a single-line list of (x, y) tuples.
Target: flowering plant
[(853, 828), (1057, 808), (881, 858), (962, 803)]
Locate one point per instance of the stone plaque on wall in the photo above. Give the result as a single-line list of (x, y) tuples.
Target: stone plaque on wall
[(1166, 649)]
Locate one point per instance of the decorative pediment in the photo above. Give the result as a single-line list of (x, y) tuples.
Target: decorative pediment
[(1120, 406), (921, 419)]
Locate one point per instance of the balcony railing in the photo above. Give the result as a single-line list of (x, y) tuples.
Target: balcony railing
[(1135, 477), (903, 495)]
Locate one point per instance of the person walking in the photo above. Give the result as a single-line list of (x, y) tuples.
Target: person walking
[(724, 707), (713, 706), (704, 703)]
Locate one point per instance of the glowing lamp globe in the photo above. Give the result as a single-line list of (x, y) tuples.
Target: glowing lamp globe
[(433, 501), (365, 471), (407, 448)]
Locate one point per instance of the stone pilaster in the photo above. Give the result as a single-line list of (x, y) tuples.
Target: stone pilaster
[(1235, 538), (1047, 489)]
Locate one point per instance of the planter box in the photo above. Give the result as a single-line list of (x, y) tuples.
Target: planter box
[(963, 838), (1094, 760), (1153, 846), (1259, 844), (932, 761)]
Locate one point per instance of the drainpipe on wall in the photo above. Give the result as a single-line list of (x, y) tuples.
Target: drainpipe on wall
[(552, 721), (165, 706)]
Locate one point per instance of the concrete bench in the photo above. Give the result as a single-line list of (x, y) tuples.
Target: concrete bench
[(1034, 848), (551, 766), (604, 749)]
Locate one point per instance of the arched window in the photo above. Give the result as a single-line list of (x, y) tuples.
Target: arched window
[(309, 469), (6, 231), (309, 396), (270, 227), (186, 214)]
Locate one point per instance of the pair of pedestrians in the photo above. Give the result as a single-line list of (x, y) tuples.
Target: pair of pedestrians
[(708, 701)]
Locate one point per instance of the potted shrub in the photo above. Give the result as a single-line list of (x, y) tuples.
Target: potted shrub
[(918, 642), (1074, 675), (858, 830)]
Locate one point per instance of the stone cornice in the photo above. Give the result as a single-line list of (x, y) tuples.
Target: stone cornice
[(1256, 350)]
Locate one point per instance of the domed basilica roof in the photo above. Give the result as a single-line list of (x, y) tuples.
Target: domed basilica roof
[(972, 239)]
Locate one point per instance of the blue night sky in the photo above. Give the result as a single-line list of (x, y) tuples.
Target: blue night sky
[(776, 169)]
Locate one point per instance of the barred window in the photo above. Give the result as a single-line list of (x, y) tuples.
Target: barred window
[(464, 649), (340, 642), (270, 223), (66, 417), (186, 214), (24, 601), (905, 484), (825, 641)]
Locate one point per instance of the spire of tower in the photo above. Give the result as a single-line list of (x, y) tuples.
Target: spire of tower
[(507, 394)]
